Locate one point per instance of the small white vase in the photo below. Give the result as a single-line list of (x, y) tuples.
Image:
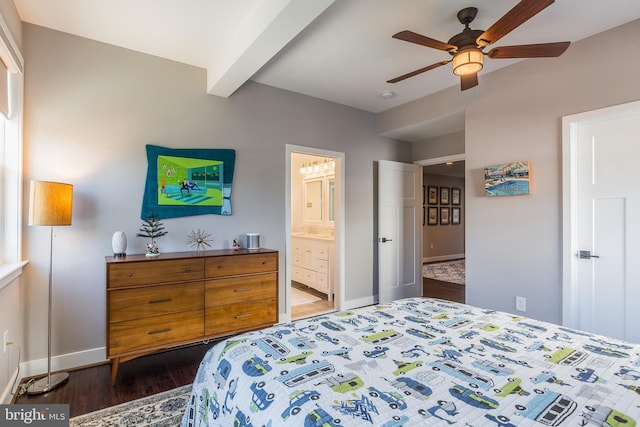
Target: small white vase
[(119, 243)]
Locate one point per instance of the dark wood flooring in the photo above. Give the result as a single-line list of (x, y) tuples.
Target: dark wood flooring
[(443, 290), (89, 389)]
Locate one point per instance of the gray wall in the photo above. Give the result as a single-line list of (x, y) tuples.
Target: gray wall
[(514, 244), (439, 146), (90, 110)]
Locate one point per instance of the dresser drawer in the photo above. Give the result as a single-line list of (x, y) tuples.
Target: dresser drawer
[(239, 317), (322, 251), (322, 284), (154, 332), (322, 267), (149, 272), (240, 289), (129, 304), (241, 264), (298, 260), (297, 274)]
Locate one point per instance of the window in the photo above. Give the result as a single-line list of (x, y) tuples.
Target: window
[(11, 80)]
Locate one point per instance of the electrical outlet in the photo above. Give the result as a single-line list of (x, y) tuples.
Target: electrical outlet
[(5, 340), (521, 304)]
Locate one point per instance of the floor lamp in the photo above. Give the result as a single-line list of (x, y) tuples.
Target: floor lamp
[(49, 204)]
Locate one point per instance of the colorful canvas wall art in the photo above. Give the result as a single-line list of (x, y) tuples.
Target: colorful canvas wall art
[(507, 179), (186, 182)]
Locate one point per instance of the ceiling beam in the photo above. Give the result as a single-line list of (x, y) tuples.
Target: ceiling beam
[(265, 31)]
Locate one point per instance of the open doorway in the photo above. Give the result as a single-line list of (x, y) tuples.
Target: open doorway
[(315, 218), (444, 272)]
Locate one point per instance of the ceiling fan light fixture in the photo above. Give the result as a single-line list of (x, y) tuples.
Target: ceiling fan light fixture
[(467, 61)]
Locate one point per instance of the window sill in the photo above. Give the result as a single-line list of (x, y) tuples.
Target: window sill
[(10, 272)]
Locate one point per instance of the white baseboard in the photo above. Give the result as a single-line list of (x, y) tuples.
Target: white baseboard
[(5, 398), (62, 362), (442, 258)]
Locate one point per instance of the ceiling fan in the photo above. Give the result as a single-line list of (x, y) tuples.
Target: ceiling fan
[(466, 47)]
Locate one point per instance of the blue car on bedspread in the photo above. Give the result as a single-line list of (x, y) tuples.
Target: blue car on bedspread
[(417, 361)]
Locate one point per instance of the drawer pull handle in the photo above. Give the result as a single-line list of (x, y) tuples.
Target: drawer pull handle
[(242, 315), (130, 274), (188, 269), (160, 331), (158, 301), (242, 289)]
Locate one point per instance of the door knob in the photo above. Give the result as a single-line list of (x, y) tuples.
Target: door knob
[(384, 240), (586, 255)]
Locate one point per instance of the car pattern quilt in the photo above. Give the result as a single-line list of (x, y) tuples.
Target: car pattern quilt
[(417, 361)]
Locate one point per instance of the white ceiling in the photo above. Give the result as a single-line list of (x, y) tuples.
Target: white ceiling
[(337, 50)]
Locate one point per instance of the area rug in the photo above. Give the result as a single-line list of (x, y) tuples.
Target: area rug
[(159, 410), (447, 271), (299, 297)]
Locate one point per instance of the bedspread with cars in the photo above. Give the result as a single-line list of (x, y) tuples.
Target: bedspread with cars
[(417, 361)]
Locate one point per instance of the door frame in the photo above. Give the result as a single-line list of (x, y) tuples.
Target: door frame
[(339, 227), (570, 126)]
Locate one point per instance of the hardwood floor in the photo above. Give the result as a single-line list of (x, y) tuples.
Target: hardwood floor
[(311, 309), (89, 389), (444, 290)]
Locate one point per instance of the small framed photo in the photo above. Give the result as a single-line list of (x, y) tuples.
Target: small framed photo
[(432, 192), (444, 195), (432, 218), (444, 216), (455, 196), (455, 216)]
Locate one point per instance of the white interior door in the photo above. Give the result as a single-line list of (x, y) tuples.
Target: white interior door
[(399, 230), (605, 274)]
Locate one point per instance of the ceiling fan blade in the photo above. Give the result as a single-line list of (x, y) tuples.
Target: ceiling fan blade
[(410, 36), (517, 16), (468, 81), (416, 72), (543, 50)]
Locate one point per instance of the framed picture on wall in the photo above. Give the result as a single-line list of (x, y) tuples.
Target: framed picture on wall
[(432, 195), (444, 195), (455, 216), (444, 216), (455, 196), (432, 218)]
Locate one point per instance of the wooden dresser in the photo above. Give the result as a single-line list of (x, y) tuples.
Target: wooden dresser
[(154, 303)]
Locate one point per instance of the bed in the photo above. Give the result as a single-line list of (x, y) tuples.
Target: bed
[(417, 361)]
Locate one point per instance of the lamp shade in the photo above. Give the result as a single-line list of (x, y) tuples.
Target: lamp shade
[(467, 61), (50, 203)]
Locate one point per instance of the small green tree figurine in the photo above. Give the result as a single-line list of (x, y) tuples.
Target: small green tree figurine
[(152, 228)]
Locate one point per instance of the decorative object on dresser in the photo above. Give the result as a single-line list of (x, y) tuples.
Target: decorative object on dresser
[(253, 241), (50, 203), (185, 297), (119, 244), (198, 239), (152, 229)]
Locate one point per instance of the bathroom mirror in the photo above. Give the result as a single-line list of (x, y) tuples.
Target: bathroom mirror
[(313, 203)]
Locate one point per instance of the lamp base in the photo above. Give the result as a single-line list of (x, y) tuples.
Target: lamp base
[(45, 384)]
